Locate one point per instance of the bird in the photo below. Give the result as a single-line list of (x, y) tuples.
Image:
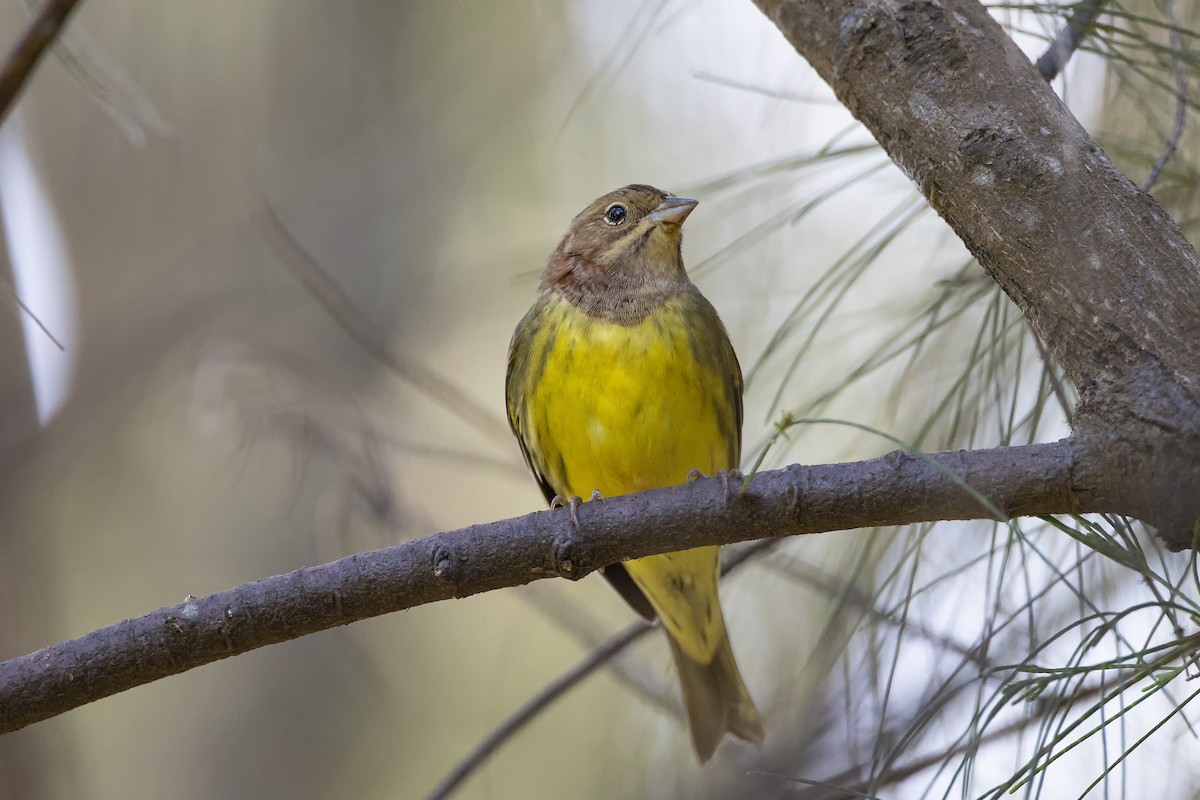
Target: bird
[(621, 377)]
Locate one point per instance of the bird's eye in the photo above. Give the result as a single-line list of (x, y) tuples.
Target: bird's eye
[(615, 214)]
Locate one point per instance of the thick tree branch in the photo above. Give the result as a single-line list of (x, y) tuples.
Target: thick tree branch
[(894, 489), (1104, 275)]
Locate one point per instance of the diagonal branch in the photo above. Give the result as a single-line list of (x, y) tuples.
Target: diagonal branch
[(341, 309), (1181, 99), (960, 109), (1077, 247), (895, 489), (1105, 277), (601, 655), (29, 48), (1078, 26), (536, 705)]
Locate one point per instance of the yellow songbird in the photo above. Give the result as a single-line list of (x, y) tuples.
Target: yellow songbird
[(621, 378)]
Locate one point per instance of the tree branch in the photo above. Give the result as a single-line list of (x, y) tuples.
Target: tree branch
[(33, 42), (1077, 27), (599, 656), (997, 154), (1083, 253), (1181, 98), (894, 489)]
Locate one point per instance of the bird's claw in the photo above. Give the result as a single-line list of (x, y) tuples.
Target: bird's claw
[(694, 475), (573, 503), (726, 475)]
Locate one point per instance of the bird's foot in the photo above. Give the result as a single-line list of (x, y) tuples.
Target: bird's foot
[(727, 475), (566, 547), (694, 475), (573, 503)]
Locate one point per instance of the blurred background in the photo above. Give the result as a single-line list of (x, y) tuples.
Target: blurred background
[(207, 422)]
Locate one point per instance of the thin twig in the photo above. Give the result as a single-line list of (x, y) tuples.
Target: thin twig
[(845, 780), (355, 324), (526, 713), (803, 572), (902, 773), (8, 294), (570, 617), (778, 94), (1181, 97), (33, 42), (1056, 383), (107, 85), (1079, 25), (559, 686)]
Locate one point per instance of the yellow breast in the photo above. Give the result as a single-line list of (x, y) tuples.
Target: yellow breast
[(625, 408)]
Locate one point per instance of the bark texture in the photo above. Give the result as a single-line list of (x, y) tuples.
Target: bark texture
[(1101, 271), (893, 489), (1103, 274)]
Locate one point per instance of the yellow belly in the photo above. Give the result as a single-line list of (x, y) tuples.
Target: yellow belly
[(621, 409)]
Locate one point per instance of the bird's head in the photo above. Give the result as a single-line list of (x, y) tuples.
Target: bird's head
[(627, 236)]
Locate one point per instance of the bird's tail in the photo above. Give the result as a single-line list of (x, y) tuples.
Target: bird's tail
[(716, 698)]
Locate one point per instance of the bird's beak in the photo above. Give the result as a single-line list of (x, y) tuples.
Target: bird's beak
[(673, 210)]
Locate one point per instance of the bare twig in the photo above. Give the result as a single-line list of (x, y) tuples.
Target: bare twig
[(355, 324), (47, 21), (1011, 481), (107, 85), (602, 655), (720, 80), (536, 705), (1181, 99), (1052, 62), (810, 575), (8, 294), (1056, 382), (853, 782), (570, 618)]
